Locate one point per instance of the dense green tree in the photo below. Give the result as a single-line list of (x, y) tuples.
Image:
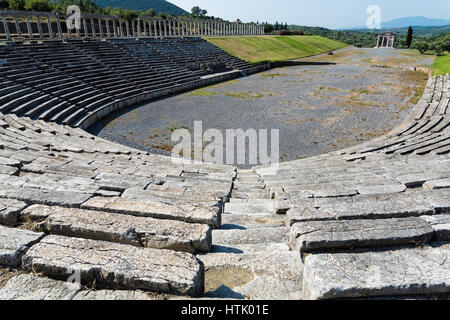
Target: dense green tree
[(198, 12), (38, 5), (409, 37), (16, 4)]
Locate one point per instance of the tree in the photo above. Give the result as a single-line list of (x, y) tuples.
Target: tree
[(422, 47), (16, 4), (409, 37), (38, 5), (198, 12)]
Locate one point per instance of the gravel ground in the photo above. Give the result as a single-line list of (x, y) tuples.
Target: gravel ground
[(317, 109)]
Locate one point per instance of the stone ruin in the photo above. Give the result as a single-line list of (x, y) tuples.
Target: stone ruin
[(368, 221)]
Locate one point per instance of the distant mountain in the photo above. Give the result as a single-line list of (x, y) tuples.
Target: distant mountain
[(415, 21), (143, 5), (409, 21)]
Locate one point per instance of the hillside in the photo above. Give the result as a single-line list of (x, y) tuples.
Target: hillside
[(418, 31), (275, 48), (409, 21), (143, 5)]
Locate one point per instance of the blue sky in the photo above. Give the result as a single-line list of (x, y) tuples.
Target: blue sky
[(324, 13)]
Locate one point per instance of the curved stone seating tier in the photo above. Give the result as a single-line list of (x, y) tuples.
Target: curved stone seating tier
[(373, 220), (77, 82), (368, 221)]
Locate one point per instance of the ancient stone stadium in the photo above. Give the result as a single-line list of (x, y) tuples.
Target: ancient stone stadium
[(367, 221)]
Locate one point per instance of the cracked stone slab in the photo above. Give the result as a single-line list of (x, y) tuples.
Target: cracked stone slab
[(244, 221), (32, 287), (360, 210), (125, 229), (324, 235), (371, 274), (14, 243), (249, 208), (251, 236), (7, 170), (243, 275), (112, 295), (440, 225), (190, 213), (381, 189), (46, 197), (117, 266), (436, 184), (10, 211)]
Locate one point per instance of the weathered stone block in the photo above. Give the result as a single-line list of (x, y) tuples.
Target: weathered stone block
[(371, 274), (14, 243), (188, 212), (325, 235), (32, 287), (10, 211), (117, 266), (138, 231)]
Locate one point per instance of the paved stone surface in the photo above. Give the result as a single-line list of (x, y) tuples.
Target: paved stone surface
[(117, 266), (188, 213), (326, 235), (31, 287), (14, 243), (10, 211), (138, 231), (369, 274)]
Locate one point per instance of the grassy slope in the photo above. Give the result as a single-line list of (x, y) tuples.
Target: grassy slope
[(442, 64), (275, 48)]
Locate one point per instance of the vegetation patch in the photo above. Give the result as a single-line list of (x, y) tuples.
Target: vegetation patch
[(275, 48), (442, 65)]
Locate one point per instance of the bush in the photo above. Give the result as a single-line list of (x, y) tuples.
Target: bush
[(290, 33)]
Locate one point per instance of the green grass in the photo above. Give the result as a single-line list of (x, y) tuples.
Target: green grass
[(275, 48), (442, 65)]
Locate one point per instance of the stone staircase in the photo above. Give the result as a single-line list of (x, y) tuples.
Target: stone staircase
[(250, 258)]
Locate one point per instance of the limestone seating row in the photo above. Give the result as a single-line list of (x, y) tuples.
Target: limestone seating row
[(367, 226), (426, 129), (90, 195), (78, 82)]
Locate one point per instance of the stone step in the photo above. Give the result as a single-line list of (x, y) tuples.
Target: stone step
[(250, 248), (10, 211), (188, 212), (396, 272), (360, 210), (242, 185), (250, 195), (253, 221), (253, 201), (113, 227), (249, 208), (440, 225), (116, 266), (32, 287), (328, 235), (14, 243), (272, 275), (250, 236)]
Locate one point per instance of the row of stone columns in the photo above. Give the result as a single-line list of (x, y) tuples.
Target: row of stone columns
[(111, 26)]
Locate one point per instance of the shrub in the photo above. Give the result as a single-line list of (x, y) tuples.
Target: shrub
[(290, 33)]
